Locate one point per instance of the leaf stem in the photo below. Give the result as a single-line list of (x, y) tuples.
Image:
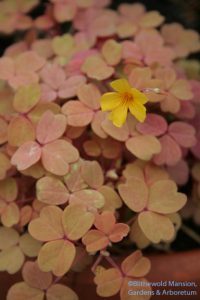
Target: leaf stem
[(96, 263), (192, 234)]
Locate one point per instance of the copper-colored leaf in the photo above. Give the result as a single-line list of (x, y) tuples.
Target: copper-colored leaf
[(92, 199), (164, 198), (26, 155), (143, 146), (57, 155), (78, 114), (34, 277), (5, 165), (20, 131), (112, 199), (76, 221), (108, 282), (135, 265), (61, 292), (105, 221), (56, 256), (134, 194), (26, 98), (95, 240), (10, 215), (89, 95), (8, 189), (150, 222), (48, 225), (50, 127), (92, 174), (11, 259), (29, 245), (22, 291), (8, 237), (51, 190)]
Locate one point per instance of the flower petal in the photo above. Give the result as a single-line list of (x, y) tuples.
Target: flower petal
[(138, 96), (120, 85), (110, 101), (138, 110), (118, 115)]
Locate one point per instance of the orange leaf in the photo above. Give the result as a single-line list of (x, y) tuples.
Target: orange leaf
[(73, 179), (96, 68), (11, 259), (48, 225), (112, 199), (112, 52), (95, 240), (26, 155), (26, 98), (3, 131), (50, 127), (78, 114), (150, 222), (8, 189), (105, 221), (135, 265), (60, 292), (34, 277), (92, 174), (57, 155), (76, 221), (21, 291), (5, 165), (29, 245), (36, 113), (20, 131), (10, 215), (92, 199), (164, 198), (56, 256), (51, 190), (143, 146), (8, 237), (108, 282), (119, 231), (90, 95), (134, 194), (181, 89)]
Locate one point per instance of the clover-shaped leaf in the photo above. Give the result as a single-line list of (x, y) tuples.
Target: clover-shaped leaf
[(164, 198), (26, 98), (57, 155), (20, 131), (107, 231), (52, 191), (50, 127), (149, 223)]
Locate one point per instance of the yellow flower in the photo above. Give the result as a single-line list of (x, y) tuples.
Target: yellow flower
[(123, 99)]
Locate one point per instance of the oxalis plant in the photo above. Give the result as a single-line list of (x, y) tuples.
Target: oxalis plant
[(99, 133)]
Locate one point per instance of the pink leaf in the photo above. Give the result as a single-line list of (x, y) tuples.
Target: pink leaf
[(69, 88), (77, 113), (50, 127), (27, 155), (170, 152), (183, 133), (57, 155), (153, 125)]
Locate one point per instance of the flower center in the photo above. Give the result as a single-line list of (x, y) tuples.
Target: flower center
[(127, 98)]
